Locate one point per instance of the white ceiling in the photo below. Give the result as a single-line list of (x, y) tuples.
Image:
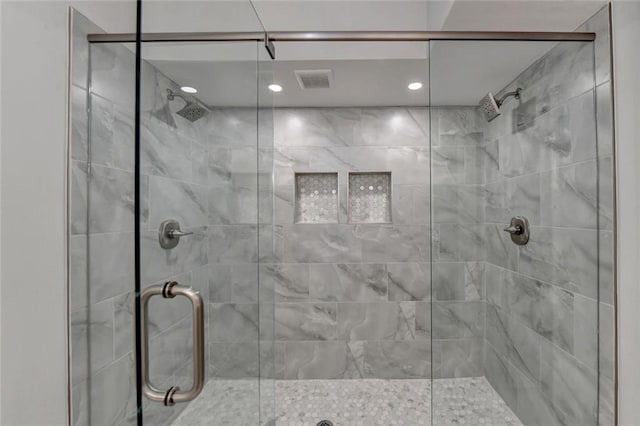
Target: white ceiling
[(366, 74)]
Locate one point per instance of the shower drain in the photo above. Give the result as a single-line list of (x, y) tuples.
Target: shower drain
[(324, 423)]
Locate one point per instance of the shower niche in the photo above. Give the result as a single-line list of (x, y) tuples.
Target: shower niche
[(369, 197), (316, 198)]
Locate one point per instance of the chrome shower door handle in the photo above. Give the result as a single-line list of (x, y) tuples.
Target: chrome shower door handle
[(173, 395)]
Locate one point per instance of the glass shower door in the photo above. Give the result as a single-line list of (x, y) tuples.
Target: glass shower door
[(204, 210), (515, 220)]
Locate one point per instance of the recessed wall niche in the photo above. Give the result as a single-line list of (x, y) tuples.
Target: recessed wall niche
[(316, 199), (370, 197)]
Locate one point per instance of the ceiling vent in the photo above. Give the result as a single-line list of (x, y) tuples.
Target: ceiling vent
[(314, 79)]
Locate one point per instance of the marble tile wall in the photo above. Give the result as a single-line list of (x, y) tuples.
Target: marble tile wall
[(546, 300), (202, 174), (353, 300)]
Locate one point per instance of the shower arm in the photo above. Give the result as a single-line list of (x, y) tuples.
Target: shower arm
[(516, 94), (171, 95)]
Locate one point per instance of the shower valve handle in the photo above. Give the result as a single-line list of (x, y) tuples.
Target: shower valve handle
[(514, 229), (170, 233), (176, 233)]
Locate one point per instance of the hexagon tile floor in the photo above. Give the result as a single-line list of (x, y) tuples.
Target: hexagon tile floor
[(467, 401)]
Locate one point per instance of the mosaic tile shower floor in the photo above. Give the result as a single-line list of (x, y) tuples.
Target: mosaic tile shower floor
[(468, 401)]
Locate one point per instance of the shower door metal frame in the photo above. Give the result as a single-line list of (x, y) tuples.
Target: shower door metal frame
[(298, 36)]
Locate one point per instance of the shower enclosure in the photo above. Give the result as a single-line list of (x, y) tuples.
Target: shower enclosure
[(347, 250)]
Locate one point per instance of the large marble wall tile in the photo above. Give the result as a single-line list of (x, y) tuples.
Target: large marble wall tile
[(513, 341), (92, 340), (124, 324), (393, 243), (170, 199), (111, 267), (164, 151), (573, 59), (235, 360), (457, 358), (523, 198), (78, 273), (491, 160), (423, 321), (109, 397), (569, 197), (373, 321), (348, 282), (409, 281), (233, 322), (532, 406), (565, 257), (410, 166), (350, 159), (498, 373), (458, 126), (315, 126), (544, 308), (570, 386), (390, 126), (459, 242), (233, 244), (320, 360), (582, 112), (494, 279), (474, 281), (397, 360), (283, 202), (236, 203), (606, 342), (112, 134), (290, 280), (501, 251), (447, 165), (457, 320), (111, 200), (474, 158), (159, 263), (322, 243), (606, 192), (306, 321), (113, 73), (81, 26), (79, 198), (585, 330), (231, 127), (448, 281), (604, 107), (458, 203), (599, 24), (79, 124)]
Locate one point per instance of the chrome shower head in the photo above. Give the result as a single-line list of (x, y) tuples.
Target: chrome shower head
[(192, 111), (491, 106)]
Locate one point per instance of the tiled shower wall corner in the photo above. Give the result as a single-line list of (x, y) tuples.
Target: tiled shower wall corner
[(204, 175), (541, 349), (353, 300)]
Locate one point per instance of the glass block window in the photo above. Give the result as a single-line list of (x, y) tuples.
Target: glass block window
[(316, 199), (370, 197)]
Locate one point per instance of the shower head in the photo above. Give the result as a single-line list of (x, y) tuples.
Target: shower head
[(491, 106), (192, 111)]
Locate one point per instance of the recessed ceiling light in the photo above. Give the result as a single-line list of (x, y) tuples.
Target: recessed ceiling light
[(275, 88), (416, 85), (189, 89)]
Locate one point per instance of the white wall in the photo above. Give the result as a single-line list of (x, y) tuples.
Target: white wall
[(626, 37), (34, 37)]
